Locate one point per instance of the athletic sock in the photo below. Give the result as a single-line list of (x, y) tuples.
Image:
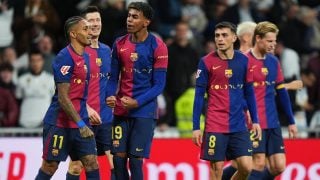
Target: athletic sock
[(42, 175), (120, 168), (228, 172), (136, 168), (254, 175), (112, 175), (72, 177), (93, 175), (267, 175)]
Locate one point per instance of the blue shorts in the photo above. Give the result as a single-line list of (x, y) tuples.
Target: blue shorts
[(58, 143), (221, 146), (271, 142), (132, 136), (103, 136)]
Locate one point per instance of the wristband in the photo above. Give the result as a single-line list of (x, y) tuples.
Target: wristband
[(81, 123)]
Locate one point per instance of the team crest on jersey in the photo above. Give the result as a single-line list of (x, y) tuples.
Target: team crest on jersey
[(211, 152), (55, 152), (264, 71), (98, 61), (228, 73), (134, 56), (64, 70)]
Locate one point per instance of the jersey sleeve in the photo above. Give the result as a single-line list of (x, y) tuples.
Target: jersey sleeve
[(161, 57), (62, 68), (201, 84), (280, 77)]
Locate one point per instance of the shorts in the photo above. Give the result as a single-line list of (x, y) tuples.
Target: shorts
[(58, 143), (271, 142), (132, 136), (103, 136), (222, 146)]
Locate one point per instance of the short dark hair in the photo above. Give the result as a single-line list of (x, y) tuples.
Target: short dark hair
[(70, 23), (226, 24), (33, 51), (6, 66), (145, 8), (89, 9)]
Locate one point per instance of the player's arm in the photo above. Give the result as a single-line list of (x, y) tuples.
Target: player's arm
[(294, 85), (113, 79), (159, 72), (68, 108), (201, 84), (285, 102)]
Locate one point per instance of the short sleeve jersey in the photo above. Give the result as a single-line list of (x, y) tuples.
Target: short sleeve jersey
[(69, 67)]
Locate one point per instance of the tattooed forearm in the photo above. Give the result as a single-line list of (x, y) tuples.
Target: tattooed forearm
[(65, 102)]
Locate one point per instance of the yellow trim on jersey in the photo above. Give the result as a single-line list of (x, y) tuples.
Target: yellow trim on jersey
[(280, 86)]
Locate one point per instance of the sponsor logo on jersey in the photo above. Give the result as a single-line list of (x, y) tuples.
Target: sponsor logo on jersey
[(64, 70), (215, 67)]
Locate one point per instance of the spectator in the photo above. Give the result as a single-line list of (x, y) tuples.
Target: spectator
[(8, 109), (6, 18), (6, 77), (182, 64), (35, 90), (45, 46)]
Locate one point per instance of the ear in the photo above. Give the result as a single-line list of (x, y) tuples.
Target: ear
[(234, 38), (73, 34), (146, 23)]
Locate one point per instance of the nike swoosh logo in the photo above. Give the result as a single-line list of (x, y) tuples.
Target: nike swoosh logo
[(249, 150), (123, 49), (214, 68), (78, 64), (138, 150)]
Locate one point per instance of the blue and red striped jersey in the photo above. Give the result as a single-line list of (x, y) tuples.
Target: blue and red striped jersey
[(228, 84), (142, 68), (100, 64), (69, 67), (267, 75)]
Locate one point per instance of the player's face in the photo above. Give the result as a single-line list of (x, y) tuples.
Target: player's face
[(136, 21), (267, 43), (224, 39), (94, 20), (82, 33)]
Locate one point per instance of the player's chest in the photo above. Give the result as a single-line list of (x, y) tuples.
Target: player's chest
[(138, 56), (81, 68), (227, 70), (264, 71)]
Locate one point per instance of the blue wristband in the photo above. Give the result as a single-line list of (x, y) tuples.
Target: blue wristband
[(81, 123)]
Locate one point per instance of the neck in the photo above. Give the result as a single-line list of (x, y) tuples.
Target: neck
[(94, 43), (244, 47), (78, 48), (227, 54), (139, 36), (183, 42), (257, 54)]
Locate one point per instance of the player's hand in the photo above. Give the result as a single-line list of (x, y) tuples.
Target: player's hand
[(86, 132), (293, 131), (111, 101), (128, 102), (197, 137), (294, 85), (94, 117), (257, 130)]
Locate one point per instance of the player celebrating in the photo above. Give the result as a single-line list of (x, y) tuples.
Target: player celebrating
[(268, 78), (66, 122), (100, 62), (226, 76), (141, 60)]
